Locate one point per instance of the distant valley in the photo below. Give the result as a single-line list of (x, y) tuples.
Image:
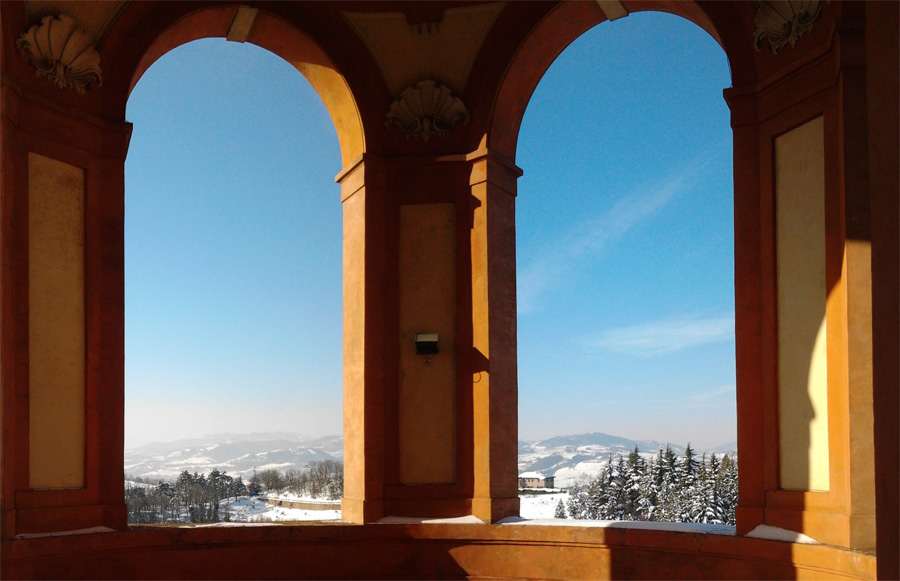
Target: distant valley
[(236, 454), (571, 459)]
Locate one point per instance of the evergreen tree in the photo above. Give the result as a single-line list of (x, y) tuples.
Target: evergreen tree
[(560, 510), (577, 504), (205, 497), (255, 486), (634, 485), (615, 506), (634, 457), (665, 489), (689, 465), (184, 489), (238, 488), (648, 494), (168, 503), (727, 486)]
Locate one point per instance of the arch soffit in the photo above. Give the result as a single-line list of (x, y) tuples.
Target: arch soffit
[(562, 26), (269, 32)]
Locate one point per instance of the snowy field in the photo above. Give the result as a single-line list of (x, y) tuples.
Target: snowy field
[(255, 510), (540, 506), (533, 507), (291, 497)]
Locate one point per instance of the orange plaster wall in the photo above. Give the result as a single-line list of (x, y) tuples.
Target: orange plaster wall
[(883, 87), (803, 85), (823, 515), (96, 148), (666, 555), (860, 445)]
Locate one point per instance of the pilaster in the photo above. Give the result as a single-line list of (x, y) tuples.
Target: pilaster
[(49, 151), (805, 380), (365, 325), (494, 373)]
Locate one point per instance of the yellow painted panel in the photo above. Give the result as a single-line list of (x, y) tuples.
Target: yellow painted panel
[(56, 335), (428, 305), (802, 292)]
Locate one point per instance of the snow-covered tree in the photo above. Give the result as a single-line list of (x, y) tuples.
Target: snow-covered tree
[(667, 488), (560, 511)]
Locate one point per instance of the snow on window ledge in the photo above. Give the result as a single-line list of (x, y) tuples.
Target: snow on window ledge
[(222, 525), (89, 531), (776, 534), (675, 527), (765, 532), (459, 520)]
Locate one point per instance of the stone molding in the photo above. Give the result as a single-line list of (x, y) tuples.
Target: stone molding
[(425, 110), (783, 22), (61, 51)]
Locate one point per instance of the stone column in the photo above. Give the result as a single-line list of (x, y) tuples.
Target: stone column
[(63, 317), (365, 330), (750, 357), (429, 247), (494, 370)]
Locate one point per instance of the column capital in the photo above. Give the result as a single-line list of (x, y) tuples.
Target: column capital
[(495, 168), (69, 127), (352, 178)]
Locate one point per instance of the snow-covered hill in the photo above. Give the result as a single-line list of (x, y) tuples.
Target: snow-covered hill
[(579, 458), (237, 454), (571, 459)]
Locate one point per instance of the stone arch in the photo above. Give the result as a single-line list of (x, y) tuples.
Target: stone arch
[(135, 48), (772, 96), (576, 111), (266, 30), (548, 39)]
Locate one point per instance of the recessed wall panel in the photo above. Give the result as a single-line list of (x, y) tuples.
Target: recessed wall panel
[(427, 397), (802, 294), (56, 338)]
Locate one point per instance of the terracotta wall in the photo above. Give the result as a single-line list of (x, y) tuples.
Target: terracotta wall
[(424, 551), (839, 72)]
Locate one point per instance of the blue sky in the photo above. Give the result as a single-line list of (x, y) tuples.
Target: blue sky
[(625, 244)]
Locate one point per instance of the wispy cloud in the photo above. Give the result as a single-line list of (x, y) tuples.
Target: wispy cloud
[(665, 336), (595, 233), (704, 399), (714, 395)]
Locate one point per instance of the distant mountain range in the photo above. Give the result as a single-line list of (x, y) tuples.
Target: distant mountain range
[(571, 459), (237, 454)]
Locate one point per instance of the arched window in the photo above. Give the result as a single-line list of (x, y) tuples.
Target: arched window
[(232, 268), (625, 251)]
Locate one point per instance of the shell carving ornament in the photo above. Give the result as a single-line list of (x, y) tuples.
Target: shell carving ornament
[(783, 22), (63, 52), (425, 110)]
